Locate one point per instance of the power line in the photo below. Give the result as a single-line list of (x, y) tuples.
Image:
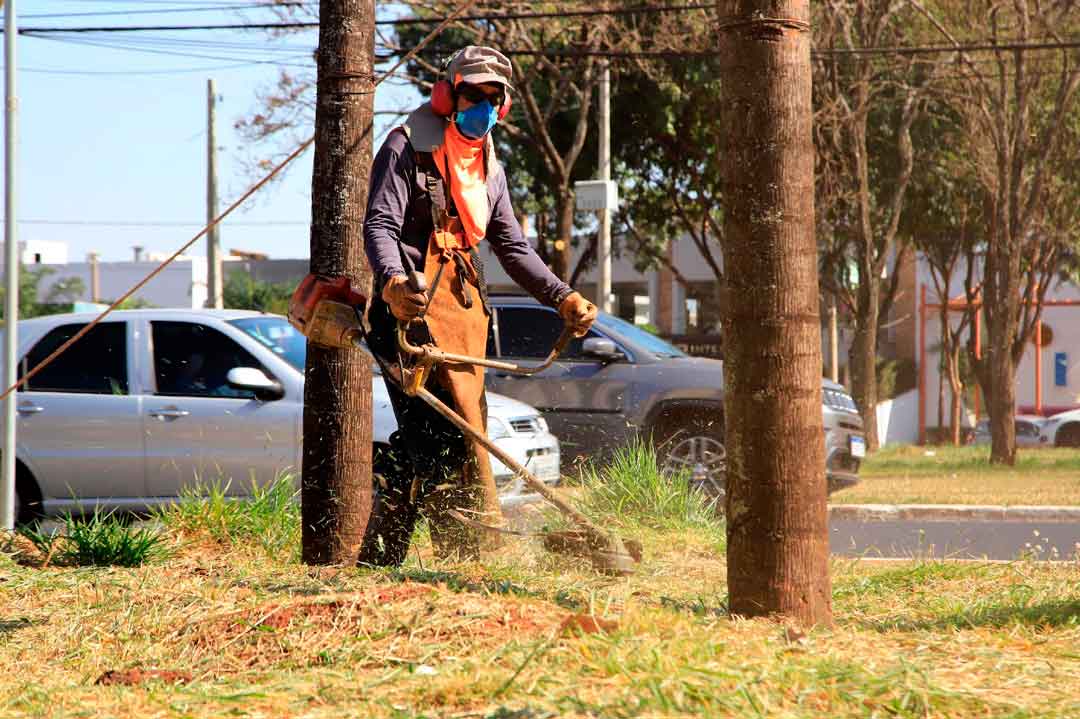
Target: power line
[(206, 8), (636, 10), (161, 223), (151, 51)]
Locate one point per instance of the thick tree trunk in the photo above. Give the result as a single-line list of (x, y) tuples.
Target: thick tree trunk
[(336, 476), (777, 524), (863, 359), (564, 232)]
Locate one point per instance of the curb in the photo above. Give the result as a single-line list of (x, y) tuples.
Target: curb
[(951, 512)]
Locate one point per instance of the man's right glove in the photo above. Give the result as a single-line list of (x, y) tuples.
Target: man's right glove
[(405, 302), (578, 313)]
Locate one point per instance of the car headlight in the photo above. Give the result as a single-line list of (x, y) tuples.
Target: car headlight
[(497, 429), (1049, 425), (543, 424)]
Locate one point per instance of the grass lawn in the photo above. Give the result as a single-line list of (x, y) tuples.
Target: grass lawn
[(962, 475), (240, 628)]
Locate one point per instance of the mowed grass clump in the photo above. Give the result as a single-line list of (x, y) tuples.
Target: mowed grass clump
[(101, 540), (268, 518)]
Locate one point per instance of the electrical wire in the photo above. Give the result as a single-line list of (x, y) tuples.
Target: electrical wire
[(207, 8), (636, 10), (159, 223)]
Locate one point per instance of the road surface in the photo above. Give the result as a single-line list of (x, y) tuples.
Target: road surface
[(958, 539)]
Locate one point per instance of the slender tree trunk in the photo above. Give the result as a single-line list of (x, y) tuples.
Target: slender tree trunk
[(863, 358), (336, 477), (564, 232), (777, 523), (957, 388)]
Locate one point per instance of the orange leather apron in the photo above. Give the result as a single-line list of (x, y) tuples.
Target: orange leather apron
[(457, 321)]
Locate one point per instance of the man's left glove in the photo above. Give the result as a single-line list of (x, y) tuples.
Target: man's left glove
[(578, 313)]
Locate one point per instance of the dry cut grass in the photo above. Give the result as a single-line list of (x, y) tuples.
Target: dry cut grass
[(222, 629), (951, 475)]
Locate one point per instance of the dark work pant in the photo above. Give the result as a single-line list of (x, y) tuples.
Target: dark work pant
[(425, 452)]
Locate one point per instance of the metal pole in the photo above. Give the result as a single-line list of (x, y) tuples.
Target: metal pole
[(1038, 368), (11, 273), (213, 248), (834, 344), (922, 364), (95, 278), (603, 285)]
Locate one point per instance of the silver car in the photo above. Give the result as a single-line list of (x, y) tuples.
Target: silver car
[(152, 400), (620, 382)]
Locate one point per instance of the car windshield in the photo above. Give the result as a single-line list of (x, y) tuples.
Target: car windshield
[(279, 336), (638, 336)]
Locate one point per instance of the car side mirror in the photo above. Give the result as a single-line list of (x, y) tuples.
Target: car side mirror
[(255, 380), (601, 348)]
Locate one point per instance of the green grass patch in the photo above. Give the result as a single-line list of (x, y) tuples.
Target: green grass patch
[(268, 518), (909, 460), (964, 475), (101, 540), (632, 491)]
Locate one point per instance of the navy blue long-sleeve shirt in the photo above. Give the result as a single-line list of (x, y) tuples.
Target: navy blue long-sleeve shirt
[(394, 189)]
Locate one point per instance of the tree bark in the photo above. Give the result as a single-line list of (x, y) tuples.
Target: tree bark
[(777, 524), (336, 475)]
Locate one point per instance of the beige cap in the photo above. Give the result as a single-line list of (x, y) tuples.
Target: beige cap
[(476, 64)]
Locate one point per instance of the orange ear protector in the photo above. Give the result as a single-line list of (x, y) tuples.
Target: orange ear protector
[(443, 100)]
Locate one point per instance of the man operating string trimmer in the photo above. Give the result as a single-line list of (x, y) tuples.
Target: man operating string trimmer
[(436, 192)]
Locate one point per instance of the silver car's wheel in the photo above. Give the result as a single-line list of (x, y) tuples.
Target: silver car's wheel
[(703, 458)]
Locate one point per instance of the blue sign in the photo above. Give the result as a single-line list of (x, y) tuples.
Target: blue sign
[(1061, 369)]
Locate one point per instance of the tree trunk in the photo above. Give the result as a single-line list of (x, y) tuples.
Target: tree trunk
[(564, 232), (1002, 404), (957, 388), (336, 476), (777, 523), (863, 359)]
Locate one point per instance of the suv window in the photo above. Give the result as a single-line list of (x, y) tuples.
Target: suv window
[(531, 332), (96, 364), (192, 360)]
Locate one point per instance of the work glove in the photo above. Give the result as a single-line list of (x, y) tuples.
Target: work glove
[(405, 302), (578, 313)]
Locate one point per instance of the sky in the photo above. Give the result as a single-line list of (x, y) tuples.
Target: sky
[(112, 128)]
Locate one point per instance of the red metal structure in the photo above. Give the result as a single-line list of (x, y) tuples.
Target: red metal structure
[(961, 305)]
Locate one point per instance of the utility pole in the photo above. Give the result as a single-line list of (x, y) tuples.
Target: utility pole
[(95, 277), (11, 274), (603, 255), (777, 520), (213, 246), (335, 488)]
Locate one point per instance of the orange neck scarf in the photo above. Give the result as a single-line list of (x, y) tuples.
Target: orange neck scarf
[(463, 160)]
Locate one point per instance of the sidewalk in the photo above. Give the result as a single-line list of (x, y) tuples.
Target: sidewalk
[(952, 512)]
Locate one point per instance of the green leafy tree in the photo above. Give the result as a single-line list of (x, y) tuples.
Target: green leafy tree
[(242, 292)]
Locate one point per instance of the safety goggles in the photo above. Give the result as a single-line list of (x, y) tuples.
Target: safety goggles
[(475, 95)]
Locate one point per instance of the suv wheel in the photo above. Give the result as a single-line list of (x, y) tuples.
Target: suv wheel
[(697, 448), (1068, 436)]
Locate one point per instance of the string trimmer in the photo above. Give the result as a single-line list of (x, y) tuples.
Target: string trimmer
[(329, 313)]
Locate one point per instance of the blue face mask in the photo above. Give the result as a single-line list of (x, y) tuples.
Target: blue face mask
[(477, 121)]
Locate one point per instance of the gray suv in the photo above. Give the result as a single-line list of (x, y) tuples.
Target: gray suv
[(620, 382)]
